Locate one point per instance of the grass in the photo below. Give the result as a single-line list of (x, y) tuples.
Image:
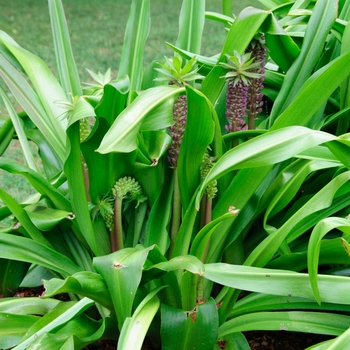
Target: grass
[(97, 35)]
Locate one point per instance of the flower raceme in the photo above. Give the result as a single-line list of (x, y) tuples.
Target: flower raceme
[(245, 82)]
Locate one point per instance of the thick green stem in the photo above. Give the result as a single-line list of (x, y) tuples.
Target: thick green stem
[(117, 234), (176, 217)]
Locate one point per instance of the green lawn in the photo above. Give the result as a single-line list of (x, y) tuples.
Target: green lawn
[(97, 29)]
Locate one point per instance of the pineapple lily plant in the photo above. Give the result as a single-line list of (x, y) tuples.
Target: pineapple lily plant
[(182, 214)]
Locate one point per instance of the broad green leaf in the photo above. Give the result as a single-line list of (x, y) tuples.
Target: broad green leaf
[(46, 218), (256, 302), (62, 318), (199, 133), (122, 272), (320, 230), (136, 33), (320, 23), (25, 249), (321, 200), (340, 342), (27, 306), (73, 168), (199, 245), (191, 24), (85, 283), (313, 94), (192, 329), (188, 262), (30, 102), (297, 321), (289, 182), (43, 186), (18, 126), (331, 253), (23, 218), (44, 82), (11, 275), (267, 149), (151, 110), (13, 327), (278, 282), (67, 69), (135, 328), (6, 133)]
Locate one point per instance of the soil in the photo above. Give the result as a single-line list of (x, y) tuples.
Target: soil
[(258, 340)]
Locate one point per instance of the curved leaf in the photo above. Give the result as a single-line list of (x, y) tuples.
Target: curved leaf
[(122, 135), (278, 282), (320, 230), (266, 149), (297, 321), (135, 328)]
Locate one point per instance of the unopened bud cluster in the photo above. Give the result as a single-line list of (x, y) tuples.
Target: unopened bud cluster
[(84, 129), (207, 164), (128, 187)]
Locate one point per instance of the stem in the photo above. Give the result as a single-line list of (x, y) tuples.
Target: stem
[(117, 234), (176, 217)]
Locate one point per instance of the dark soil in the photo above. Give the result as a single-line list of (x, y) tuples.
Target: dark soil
[(258, 340)]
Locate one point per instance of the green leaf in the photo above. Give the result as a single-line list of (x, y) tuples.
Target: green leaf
[(278, 282), (151, 110), (135, 328), (6, 133), (67, 69), (62, 318), (11, 276), (256, 302), (187, 262), (27, 306), (25, 249), (136, 33), (86, 283), (46, 218), (320, 230), (13, 328), (313, 94), (18, 126), (321, 200), (193, 329), (44, 82), (267, 149), (320, 23), (297, 321), (122, 271), (43, 186), (73, 168), (191, 24), (199, 133), (30, 102), (22, 216)]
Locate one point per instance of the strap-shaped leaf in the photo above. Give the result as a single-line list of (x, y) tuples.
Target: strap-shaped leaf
[(136, 33), (266, 149), (151, 110), (67, 69)]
